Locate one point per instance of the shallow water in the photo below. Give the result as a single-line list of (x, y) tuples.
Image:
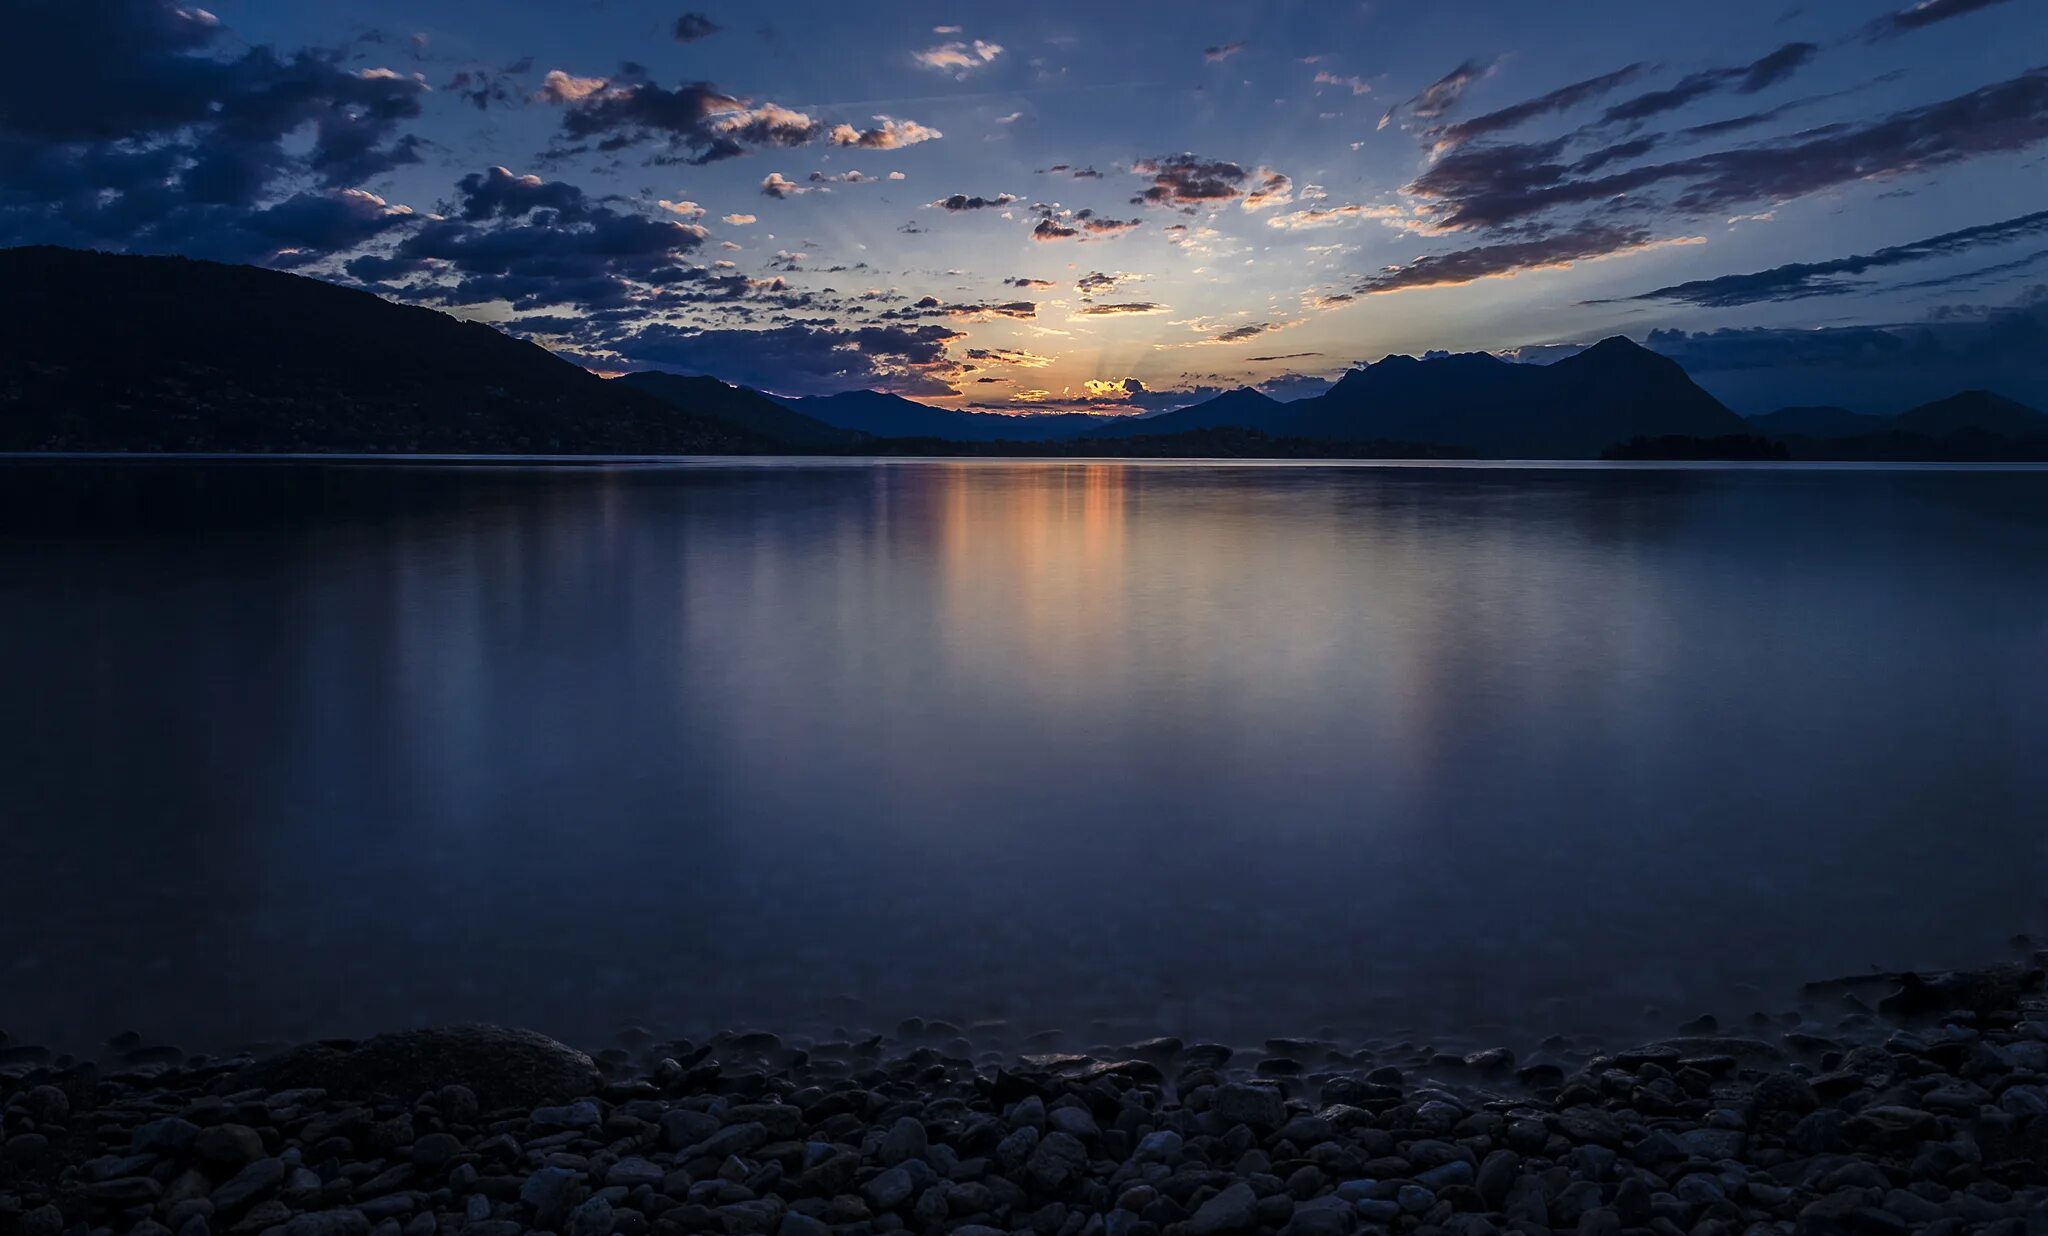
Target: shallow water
[(305, 749)]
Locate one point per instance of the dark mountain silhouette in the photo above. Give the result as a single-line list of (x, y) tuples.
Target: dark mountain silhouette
[(743, 409), (1238, 409), (109, 352), (1611, 393), (1973, 411), (884, 415), (1815, 422)]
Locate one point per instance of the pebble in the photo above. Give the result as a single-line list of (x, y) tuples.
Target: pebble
[(1869, 1126)]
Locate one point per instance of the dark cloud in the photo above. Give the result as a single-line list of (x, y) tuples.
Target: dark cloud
[(536, 243), (1221, 52), (1561, 99), (1799, 280), (498, 193), (802, 359), (1924, 14), (1189, 180), (693, 26), (1241, 334), (1493, 186), (1544, 252), (961, 201), (1020, 281), (695, 121), (136, 124), (1884, 368), (1123, 308), (1442, 95), (1757, 75)]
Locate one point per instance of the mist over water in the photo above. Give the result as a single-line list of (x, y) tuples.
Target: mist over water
[(299, 750)]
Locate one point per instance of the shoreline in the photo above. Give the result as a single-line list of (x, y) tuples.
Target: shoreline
[(598, 461), (1885, 1103)]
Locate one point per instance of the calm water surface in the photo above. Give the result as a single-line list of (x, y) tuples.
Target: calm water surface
[(290, 750)]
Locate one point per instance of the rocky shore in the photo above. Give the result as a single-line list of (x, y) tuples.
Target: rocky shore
[(1885, 1104)]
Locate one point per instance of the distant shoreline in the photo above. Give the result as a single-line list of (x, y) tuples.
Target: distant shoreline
[(430, 460)]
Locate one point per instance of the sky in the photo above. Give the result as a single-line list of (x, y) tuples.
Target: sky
[(1111, 207)]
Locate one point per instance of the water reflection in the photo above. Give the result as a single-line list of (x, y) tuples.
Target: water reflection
[(1222, 750)]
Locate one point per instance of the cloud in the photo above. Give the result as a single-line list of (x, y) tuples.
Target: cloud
[(1356, 85), (961, 201), (1056, 224), (1878, 368), (1494, 186), (1125, 309), (1020, 281), (741, 220), (1561, 99), (1009, 356), (779, 187), (1221, 52), (1557, 250), (1328, 216), (890, 135), (982, 313), (1243, 334), (534, 243), (1759, 74), (1799, 280), (498, 193), (560, 87), (1099, 283), (693, 26), (958, 57), (135, 124), (1189, 180), (695, 117), (1273, 189), (800, 359), (1924, 14)]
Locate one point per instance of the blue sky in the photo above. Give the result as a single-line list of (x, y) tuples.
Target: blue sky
[(1829, 201)]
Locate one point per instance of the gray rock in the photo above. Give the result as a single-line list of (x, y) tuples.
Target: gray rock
[(904, 1140), (1257, 1106), (1233, 1212), (228, 1146), (592, 1218), (682, 1128), (329, 1223), (503, 1068), (1059, 1158), (44, 1220), (1159, 1146), (794, 1224), (171, 1135), (258, 1180), (888, 1190), (550, 1192), (634, 1171)]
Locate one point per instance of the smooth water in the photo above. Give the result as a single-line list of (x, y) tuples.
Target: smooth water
[(315, 749)]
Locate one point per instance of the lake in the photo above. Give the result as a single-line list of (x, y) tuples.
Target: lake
[(1476, 752)]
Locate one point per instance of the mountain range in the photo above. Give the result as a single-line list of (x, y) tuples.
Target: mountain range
[(128, 353)]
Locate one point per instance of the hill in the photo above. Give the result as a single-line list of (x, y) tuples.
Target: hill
[(884, 415), (1973, 412), (1477, 403), (1815, 422), (749, 411), (1238, 409), (109, 352)]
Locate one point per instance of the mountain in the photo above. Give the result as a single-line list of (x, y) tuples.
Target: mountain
[(110, 352), (1973, 412), (741, 408), (1815, 422), (883, 415), (1608, 394), (1241, 408)]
